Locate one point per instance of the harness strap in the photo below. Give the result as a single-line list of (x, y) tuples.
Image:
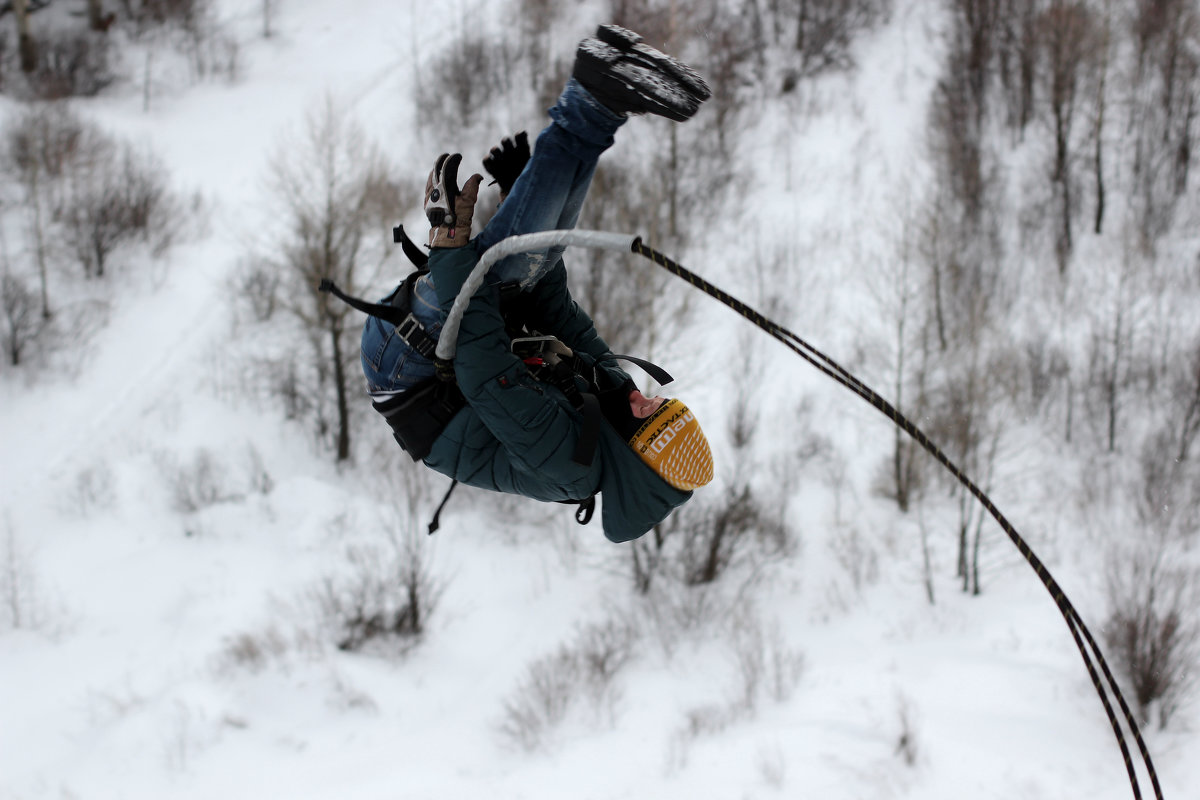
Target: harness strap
[(587, 507), (589, 432), (560, 373), (583, 514), (419, 259), (434, 523), (653, 370), (407, 326)]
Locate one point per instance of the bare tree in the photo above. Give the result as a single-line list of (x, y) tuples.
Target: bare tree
[(1114, 350), (336, 196), (1068, 38), (898, 292), (385, 594), (97, 19), (735, 62), (1017, 52), (976, 26), (1103, 47), (473, 73), (963, 421), (118, 194), (825, 30), (1187, 393), (536, 45), (39, 142), (268, 17), (1163, 100), (626, 306), (22, 324), (1151, 629), (26, 45)]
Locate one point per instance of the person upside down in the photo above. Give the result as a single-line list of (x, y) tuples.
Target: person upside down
[(539, 406)]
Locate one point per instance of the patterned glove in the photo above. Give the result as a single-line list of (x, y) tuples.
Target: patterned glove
[(449, 208)]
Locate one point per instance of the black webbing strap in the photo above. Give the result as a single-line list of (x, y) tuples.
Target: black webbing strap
[(587, 507), (419, 259), (583, 513), (653, 370), (589, 432), (435, 523), (407, 326), (561, 375)]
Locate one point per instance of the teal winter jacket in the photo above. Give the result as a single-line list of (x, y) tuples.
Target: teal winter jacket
[(517, 434)]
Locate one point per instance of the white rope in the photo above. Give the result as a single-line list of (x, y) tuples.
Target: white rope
[(523, 243)]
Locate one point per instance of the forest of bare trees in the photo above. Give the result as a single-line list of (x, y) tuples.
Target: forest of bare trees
[(1042, 286)]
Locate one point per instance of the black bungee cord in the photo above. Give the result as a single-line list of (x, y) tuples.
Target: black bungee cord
[(1084, 641)]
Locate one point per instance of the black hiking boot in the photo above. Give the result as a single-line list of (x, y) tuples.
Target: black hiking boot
[(639, 79), (636, 50)]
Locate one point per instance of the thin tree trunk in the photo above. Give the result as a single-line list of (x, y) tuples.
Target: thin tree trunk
[(899, 469), (927, 565), (1190, 420), (1062, 175), (1113, 377), (268, 12), (1098, 158), (39, 240), (96, 15), (343, 403), (964, 526), (1183, 154), (26, 46), (975, 587)]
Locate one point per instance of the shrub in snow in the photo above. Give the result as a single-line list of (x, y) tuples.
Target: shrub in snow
[(1152, 632), (766, 669), (22, 324), (93, 489), (582, 673), (383, 598), (87, 189), (541, 702), (118, 195), (471, 73), (22, 602), (195, 484), (907, 744), (252, 652), (70, 64)]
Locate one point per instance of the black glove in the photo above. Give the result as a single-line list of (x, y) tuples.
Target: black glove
[(506, 162)]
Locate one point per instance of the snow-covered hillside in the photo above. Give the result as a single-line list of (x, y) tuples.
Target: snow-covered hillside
[(172, 653)]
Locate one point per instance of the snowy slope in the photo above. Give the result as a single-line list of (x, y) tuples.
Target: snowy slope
[(129, 684)]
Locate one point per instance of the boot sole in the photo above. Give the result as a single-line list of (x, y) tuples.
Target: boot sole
[(645, 89), (632, 45)]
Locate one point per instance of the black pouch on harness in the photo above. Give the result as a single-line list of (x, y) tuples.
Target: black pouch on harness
[(417, 416)]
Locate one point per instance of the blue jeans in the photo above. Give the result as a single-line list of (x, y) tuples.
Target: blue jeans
[(548, 195)]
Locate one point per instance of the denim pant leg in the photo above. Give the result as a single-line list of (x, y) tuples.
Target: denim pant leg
[(549, 193), (389, 363)]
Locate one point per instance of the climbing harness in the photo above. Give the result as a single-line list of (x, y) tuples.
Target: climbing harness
[(1093, 658), (418, 415), (448, 340)]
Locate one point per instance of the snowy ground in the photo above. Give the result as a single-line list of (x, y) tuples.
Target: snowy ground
[(127, 686)]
